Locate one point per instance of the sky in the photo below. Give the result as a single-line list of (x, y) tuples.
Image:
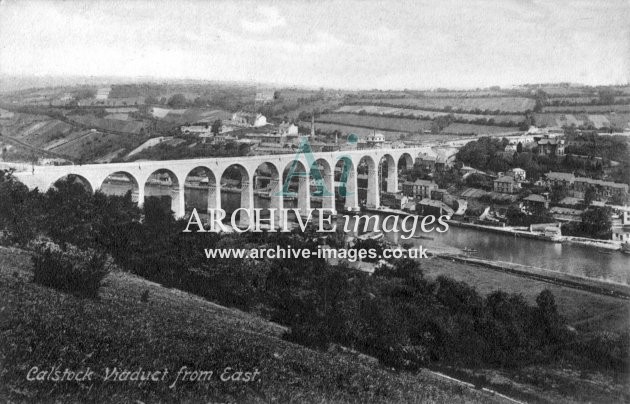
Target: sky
[(334, 44)]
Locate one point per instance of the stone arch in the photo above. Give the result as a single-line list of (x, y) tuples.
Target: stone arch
[(405, 161), (388, 171), (237, 192), (163, 183), (296, 184), (267, 186), (119, 183), (322, 177), (75, 179), (200, 190)]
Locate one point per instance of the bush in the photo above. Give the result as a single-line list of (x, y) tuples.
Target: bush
[(69, 269)]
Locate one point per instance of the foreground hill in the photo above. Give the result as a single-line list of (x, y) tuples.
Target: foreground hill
[(136, 324)]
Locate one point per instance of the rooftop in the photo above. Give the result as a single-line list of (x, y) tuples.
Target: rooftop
[(535, 198), (505, 178), (560, 176), (420, 182)]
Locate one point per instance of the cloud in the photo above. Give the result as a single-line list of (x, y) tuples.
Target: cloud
[(267, 19)]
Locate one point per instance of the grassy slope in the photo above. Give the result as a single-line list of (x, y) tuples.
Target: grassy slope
[(42, 327), (585, 311)]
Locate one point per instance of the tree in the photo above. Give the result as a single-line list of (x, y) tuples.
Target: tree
[(19, 208), (589, 196), (606, 97), (519, 147), (596, 222), (541, 101), (558, 193), (177, 101), (216, 127)]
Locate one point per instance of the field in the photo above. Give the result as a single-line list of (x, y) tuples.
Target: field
[(56, 136), (396, 128), (36, 130), (108, 124), (88, 145), (379, 123), (586, 99), (468, 128), (171, 329), (192, 115), (503, 104), (347, 129), (419, 113), (588, 108), (620, 120), (389, 135)]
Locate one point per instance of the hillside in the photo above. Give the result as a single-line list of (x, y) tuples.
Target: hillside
[(171, 329)]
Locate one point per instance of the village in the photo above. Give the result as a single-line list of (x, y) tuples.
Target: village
[(548, 205)]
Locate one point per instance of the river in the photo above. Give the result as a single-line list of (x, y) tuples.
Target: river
[(566, 258)]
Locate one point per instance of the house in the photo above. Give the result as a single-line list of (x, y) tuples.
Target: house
[(266, 137), (102, 93), (550, 146), (511, 148), (287, 129), (565, 180), (375, 141), (264, 96), (505, 185), (432, 207), (579, 185), (519, 174), (426, 162), (603, 189), (200, 129), (394, 201), (535, 203), (418, 188), (249, 119), (621, 233), (438, 194), (563, 214)]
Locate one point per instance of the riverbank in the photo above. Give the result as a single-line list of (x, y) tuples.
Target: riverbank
[(598, 286), (515, 232)]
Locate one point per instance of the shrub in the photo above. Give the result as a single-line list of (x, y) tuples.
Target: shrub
[(69, 269)]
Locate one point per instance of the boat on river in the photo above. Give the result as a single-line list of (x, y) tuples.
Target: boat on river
[(373, 235)]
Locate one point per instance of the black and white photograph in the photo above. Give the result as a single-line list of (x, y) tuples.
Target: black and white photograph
[(314, 201)]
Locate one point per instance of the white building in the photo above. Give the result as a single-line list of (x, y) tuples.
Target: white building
[(375, 140), (200, 129), (287, 129), (249, 119), (519, 174), (102, 93), (511, 148)]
